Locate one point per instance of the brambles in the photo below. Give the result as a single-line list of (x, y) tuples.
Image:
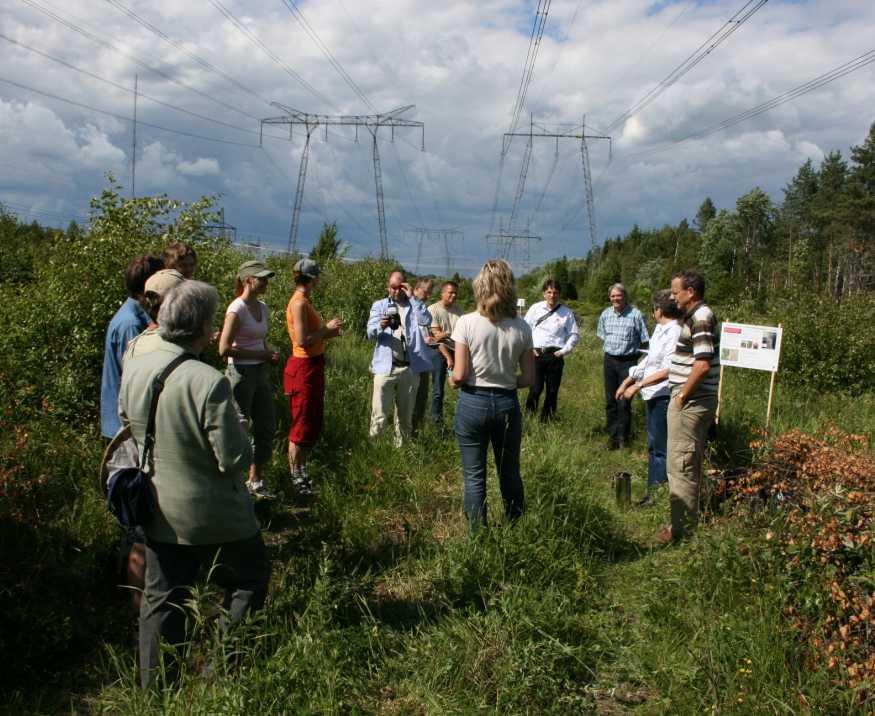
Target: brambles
[(823, 541)]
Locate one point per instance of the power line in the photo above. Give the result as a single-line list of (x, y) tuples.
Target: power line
[(335, 63), (834, 74), (705, 49), (115, 48), (122, 117), (128, 90), (255, 40), (179, 46)]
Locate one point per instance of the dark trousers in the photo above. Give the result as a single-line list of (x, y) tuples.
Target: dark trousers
[(485, 416), (619, 412), (420, 403), (438, 385), (548, 372), (242, 570)]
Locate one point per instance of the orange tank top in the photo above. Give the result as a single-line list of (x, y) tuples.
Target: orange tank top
[(314, 322)]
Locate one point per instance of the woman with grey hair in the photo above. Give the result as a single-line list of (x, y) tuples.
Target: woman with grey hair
[(650, 378), (200, 460)]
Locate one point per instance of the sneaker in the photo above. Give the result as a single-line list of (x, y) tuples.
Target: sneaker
[(301, 482), (646, 501), (259, 490)]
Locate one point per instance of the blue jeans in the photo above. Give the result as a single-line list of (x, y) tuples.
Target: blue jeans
[(484, 416), (657, 437), (438, 384)]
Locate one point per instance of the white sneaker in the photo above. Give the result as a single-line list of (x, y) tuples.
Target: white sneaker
[(259, 490), (301, 482)]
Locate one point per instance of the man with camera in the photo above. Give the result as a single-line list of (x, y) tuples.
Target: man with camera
[(401, 355)]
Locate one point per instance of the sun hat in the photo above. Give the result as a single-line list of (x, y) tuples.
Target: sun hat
[(162, 281), (307, 267), (254, 269)]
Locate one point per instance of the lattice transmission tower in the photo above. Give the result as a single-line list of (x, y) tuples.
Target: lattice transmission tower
[(434, 237), (578, 133), (509, 243), (372, 123)]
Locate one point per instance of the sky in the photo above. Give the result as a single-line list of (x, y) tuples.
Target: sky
[(460, 64)]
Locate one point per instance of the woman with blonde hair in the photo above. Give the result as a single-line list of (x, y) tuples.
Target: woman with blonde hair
[(493, 359)]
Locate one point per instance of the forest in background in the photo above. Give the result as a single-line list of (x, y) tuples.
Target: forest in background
[(820, 240)]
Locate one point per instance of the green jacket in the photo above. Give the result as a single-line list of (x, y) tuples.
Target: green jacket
[(201, 452)]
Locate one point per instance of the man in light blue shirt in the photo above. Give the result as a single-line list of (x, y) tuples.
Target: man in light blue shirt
[(398, 324), (129, 321), (622, 329)]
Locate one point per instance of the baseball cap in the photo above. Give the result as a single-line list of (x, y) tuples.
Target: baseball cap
[(254, 269), (162, 281), (307, 267)]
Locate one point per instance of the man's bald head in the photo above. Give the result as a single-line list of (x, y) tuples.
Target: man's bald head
[(395, 286)]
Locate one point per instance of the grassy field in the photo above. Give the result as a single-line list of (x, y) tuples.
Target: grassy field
[(382, 603)]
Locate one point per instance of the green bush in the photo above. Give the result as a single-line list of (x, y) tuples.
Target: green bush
[(827, 346)]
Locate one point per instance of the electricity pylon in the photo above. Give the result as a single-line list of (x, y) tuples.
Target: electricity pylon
[(371, 122), (425, 233), (506, 241), (575, 133)]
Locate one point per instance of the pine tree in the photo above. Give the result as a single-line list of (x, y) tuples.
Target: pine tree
[(706, 212)]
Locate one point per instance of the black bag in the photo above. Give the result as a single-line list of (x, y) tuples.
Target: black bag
[(129, 496)]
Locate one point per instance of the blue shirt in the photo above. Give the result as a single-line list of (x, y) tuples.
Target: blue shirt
[(622, 333), (415, 320), (128, 322)]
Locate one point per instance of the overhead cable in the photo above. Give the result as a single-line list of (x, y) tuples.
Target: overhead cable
[(834, 74), (335, 63), (115, 48), (255, 40), (206, 64), (706, 48), (122, 117), (139, 93)]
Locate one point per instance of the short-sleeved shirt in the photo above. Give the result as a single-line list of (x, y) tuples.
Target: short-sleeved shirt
[(128, 322), (699, 340), (314, 323), (494, 348), (622, 333), (251, 334), (444, 318)]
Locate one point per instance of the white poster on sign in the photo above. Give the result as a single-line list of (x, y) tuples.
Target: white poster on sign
[(745, 346)]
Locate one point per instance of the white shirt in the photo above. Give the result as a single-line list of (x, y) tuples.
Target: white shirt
[(494, 348), (557, 331), (662, 342)]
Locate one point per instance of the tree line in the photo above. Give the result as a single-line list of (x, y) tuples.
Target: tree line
[(819, 239)]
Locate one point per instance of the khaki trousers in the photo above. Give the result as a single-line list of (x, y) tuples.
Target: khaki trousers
[(394, 392), (687, 432)]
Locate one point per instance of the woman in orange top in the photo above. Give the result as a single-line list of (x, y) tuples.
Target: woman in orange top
[(304, 376)]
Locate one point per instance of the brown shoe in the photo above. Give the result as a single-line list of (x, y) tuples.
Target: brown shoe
[(666, 537)]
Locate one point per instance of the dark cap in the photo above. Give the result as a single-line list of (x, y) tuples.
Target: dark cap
[(307, 267), (254, 269)]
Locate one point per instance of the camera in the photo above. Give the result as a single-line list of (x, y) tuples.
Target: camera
[(393, 315)]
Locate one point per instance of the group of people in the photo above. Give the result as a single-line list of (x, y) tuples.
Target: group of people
[(213, 432), (210, 434), (677, 378)]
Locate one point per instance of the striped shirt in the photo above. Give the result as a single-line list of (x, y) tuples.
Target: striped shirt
[(622, 333), (699, 340)]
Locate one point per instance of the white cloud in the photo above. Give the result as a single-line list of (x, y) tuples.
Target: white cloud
[(200, 167), (460, 64)]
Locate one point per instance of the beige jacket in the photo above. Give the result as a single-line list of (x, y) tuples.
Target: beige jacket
[(201, 454)]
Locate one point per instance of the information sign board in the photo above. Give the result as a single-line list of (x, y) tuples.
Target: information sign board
[(747, 346)]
